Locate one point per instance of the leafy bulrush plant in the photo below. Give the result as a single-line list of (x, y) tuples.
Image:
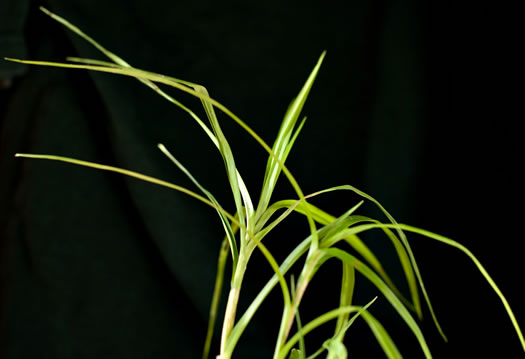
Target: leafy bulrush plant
[(246, 228)]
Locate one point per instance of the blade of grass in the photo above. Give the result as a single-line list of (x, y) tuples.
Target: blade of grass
[(402, 237), (347, 292), (320, 320), (155, 88), (224, 219), (81, 60), (281, 145), (325, 218), (132, 174), (361, 248), (340, 336), (120, 63), (340, 349), (302, 346), (298, 206), (348, 324), (354, 241), (405, 256), (214, 307), (378, 330), (384, 340), (480, 267), (240, 193), (383, 288)]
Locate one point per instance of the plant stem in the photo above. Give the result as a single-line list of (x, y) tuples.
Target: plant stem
[(289, 312), (233, 301), (229, 317)]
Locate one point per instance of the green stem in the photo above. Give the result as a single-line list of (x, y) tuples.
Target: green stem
[(221, 264), (233, 301), (289, 313)]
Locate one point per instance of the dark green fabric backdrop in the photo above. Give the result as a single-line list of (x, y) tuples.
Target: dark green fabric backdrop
[(98, 265)]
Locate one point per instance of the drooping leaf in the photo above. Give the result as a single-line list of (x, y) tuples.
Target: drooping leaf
[(383, 288)]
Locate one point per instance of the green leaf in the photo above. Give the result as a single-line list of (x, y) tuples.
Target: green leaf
[(354, 241), (363, 250), (380, 333), (302, 346), (281, 147), (347, 291), (120, 63), (402, 237), (483, 271), (384, 340), (383, 288), (224, 219), (214, 307), (339, 336), (137, 175)]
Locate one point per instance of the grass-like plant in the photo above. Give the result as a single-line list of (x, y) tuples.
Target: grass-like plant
[(246, 228)]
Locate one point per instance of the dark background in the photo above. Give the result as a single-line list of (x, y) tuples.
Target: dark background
[(414, 104)]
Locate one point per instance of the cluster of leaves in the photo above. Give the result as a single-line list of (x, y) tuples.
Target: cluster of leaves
[(246, 229)]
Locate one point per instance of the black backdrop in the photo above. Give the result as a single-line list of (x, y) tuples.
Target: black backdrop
[(413, 105)]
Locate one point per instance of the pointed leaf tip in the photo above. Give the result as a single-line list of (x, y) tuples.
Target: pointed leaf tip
[(46, 11), (321, 58)]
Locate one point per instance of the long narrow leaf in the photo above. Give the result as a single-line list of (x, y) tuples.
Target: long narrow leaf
[(281, 145), (483, 271), (411, 256), (302, 346), (119, 62), (379, 332), (346, 295), (214, 307), (233, 175), (384, 289), (135, 175), (354, 241), (224, 219), (339, 336)]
